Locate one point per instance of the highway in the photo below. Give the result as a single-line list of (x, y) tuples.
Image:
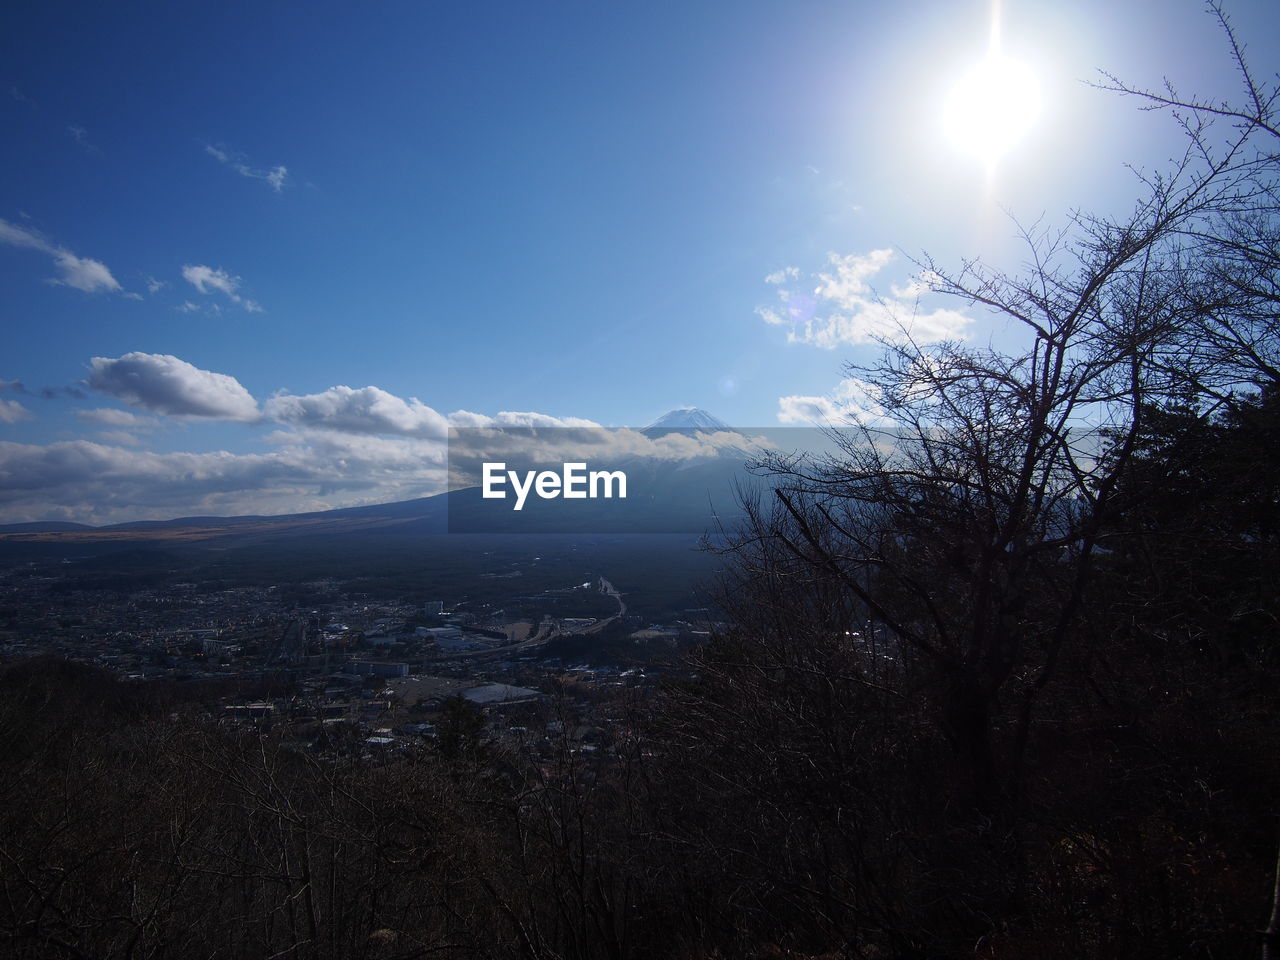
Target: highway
[(547, 631)]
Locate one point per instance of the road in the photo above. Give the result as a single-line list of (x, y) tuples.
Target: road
[(547, 631), (608, 589)]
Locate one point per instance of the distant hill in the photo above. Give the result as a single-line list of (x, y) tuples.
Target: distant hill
[(426, 513), (42, 526)]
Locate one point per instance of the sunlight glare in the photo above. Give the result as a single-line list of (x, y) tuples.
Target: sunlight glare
[(992, 107)]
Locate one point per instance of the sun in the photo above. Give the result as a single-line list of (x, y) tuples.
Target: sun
[(990, 108)]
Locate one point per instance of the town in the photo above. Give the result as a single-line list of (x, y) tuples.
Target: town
[(345, 674)]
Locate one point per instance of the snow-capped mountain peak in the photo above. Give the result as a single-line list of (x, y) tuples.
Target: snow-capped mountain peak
[(688, 418)]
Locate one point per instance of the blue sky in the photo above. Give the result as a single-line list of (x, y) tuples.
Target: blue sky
[(299, 237)]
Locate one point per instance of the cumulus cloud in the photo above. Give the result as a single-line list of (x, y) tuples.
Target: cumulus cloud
[(842, 308), (82, 273), (164, 384), (852, 401), (510, 418), (553, 442), (208, 280), (120, 438), (205, 279), (275, 177), (338, 448), (11, 411), (373, 411), (367, 410), (847, 282), (103, 483), (365, 460), (110, 417)]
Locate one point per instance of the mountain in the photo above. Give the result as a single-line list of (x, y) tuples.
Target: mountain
[(423, 516), (686, 418), (42, 526)]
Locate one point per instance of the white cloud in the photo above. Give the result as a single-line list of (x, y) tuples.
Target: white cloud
[(81, 136), (17, 236), (276, 177), (154, 285), (11, 411), (847, 284), (536, 438), (208, 280), (81, 273), (121, 438), (110, 417), (205, 279), (877, 321), (100, 483), (783, 275), (367, 410), (372, 411), (164, 384), (843, 309), (364, 459), (510, 418), (852, 401)]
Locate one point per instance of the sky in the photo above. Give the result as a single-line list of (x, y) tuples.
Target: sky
[(256, 257)]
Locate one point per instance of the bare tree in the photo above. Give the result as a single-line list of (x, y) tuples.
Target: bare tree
[(967, 518), (1232, 294), (966, 522)]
